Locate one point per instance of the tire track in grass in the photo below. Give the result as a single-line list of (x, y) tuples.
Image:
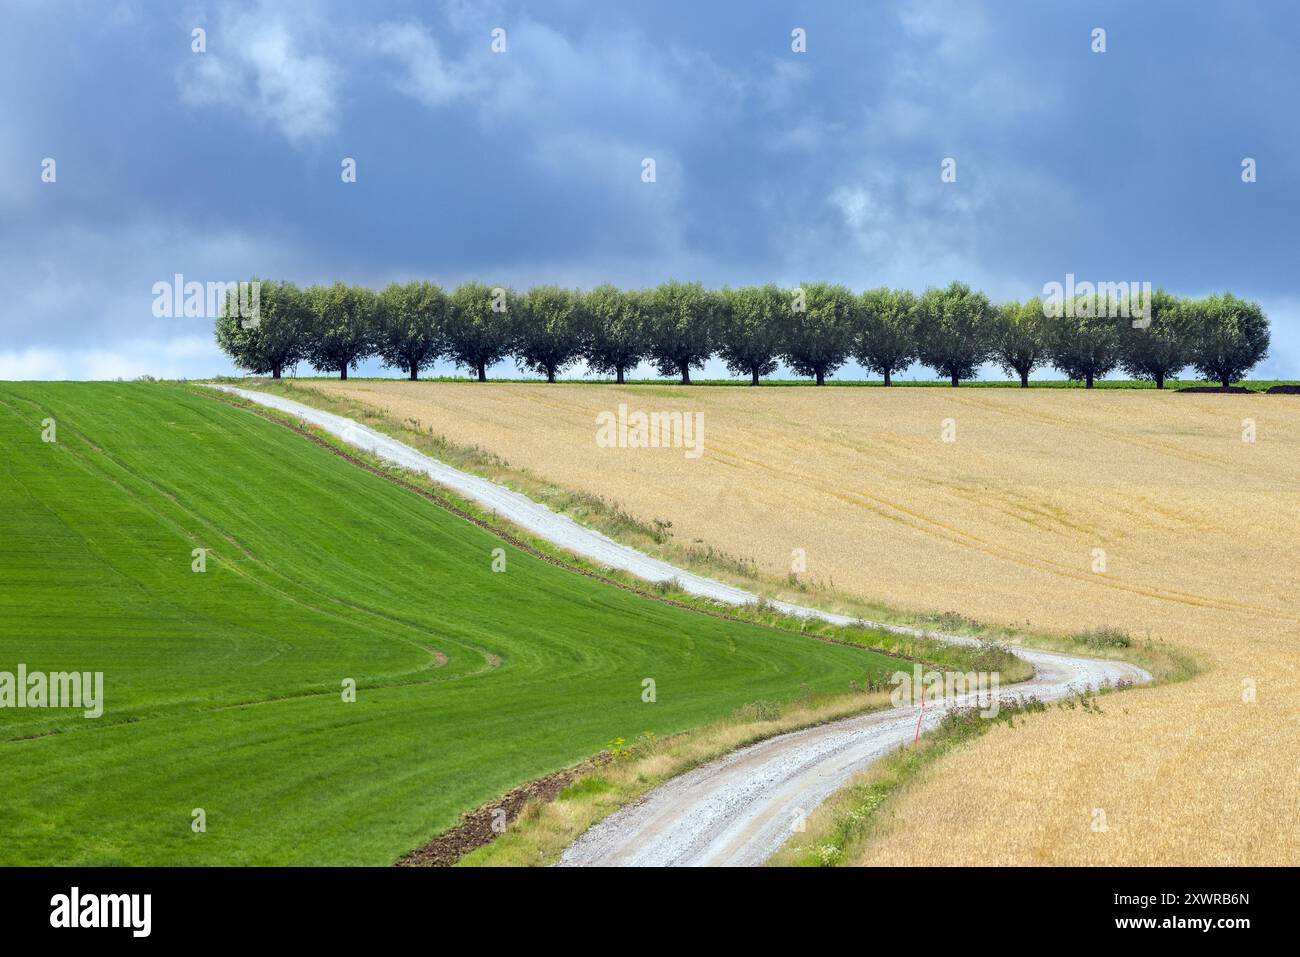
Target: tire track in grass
[(263, 584)]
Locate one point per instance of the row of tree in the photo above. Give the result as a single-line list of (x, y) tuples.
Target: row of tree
[(678, 326)]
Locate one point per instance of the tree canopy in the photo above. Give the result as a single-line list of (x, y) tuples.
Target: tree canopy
[(273, 339), (478, 326), (342, 328), (409, 326), (1230, 337), (681, 328), (750, 329), (1020, 343), (885, 341), (546, 331), (1084, 340), (819, 336), (1159, 346), (954, 331)]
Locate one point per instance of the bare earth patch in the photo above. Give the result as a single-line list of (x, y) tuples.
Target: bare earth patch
[(484, 824)]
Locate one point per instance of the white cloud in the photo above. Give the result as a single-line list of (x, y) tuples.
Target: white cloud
[(805, 137), (81, 299), (902, 224), (958, 29), (585, 110), (184, 357), (908, 226), (426, 76), (255, 63), (942, 79), (778, 85)]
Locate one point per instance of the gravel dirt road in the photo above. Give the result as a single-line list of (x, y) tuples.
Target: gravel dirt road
[(738, 810)]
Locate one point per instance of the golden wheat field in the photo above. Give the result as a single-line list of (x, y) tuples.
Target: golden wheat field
[(1052, 509)]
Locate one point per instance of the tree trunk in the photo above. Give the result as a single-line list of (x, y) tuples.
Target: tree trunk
[(343, 373), (275, 370), (1024, 380), (686, 374), (1160, 380), (955, 380), (1087, 380), (888, 380), (821, 377), (550, 373), (753, 377), (1227, 383), (415, 370), (482, 372), (618, 373)]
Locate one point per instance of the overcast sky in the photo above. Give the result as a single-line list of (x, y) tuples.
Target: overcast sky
[(525, 166)]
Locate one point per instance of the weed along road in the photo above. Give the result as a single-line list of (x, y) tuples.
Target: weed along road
[(738, 809)]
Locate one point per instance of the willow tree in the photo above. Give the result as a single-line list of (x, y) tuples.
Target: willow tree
[(819, 335), (954, 331), (478, 326), (1020, 338), (274, 336), (885, 336), (1230, 337), (1157, 345), (342, 327), (546, 330), (409, 326), (615, 336), (1083, 338), (682, 327), (750, 329)]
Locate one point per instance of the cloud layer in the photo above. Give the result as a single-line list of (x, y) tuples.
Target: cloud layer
[(524, 165)]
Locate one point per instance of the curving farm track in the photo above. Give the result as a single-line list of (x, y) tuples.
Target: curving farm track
[(739, 809)]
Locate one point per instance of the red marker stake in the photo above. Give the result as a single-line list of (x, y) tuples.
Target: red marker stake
[(919, 716)]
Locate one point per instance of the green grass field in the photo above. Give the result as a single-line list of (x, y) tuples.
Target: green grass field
[(223, 689)]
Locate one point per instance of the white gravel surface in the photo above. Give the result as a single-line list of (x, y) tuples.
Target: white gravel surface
[(739, 809)]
